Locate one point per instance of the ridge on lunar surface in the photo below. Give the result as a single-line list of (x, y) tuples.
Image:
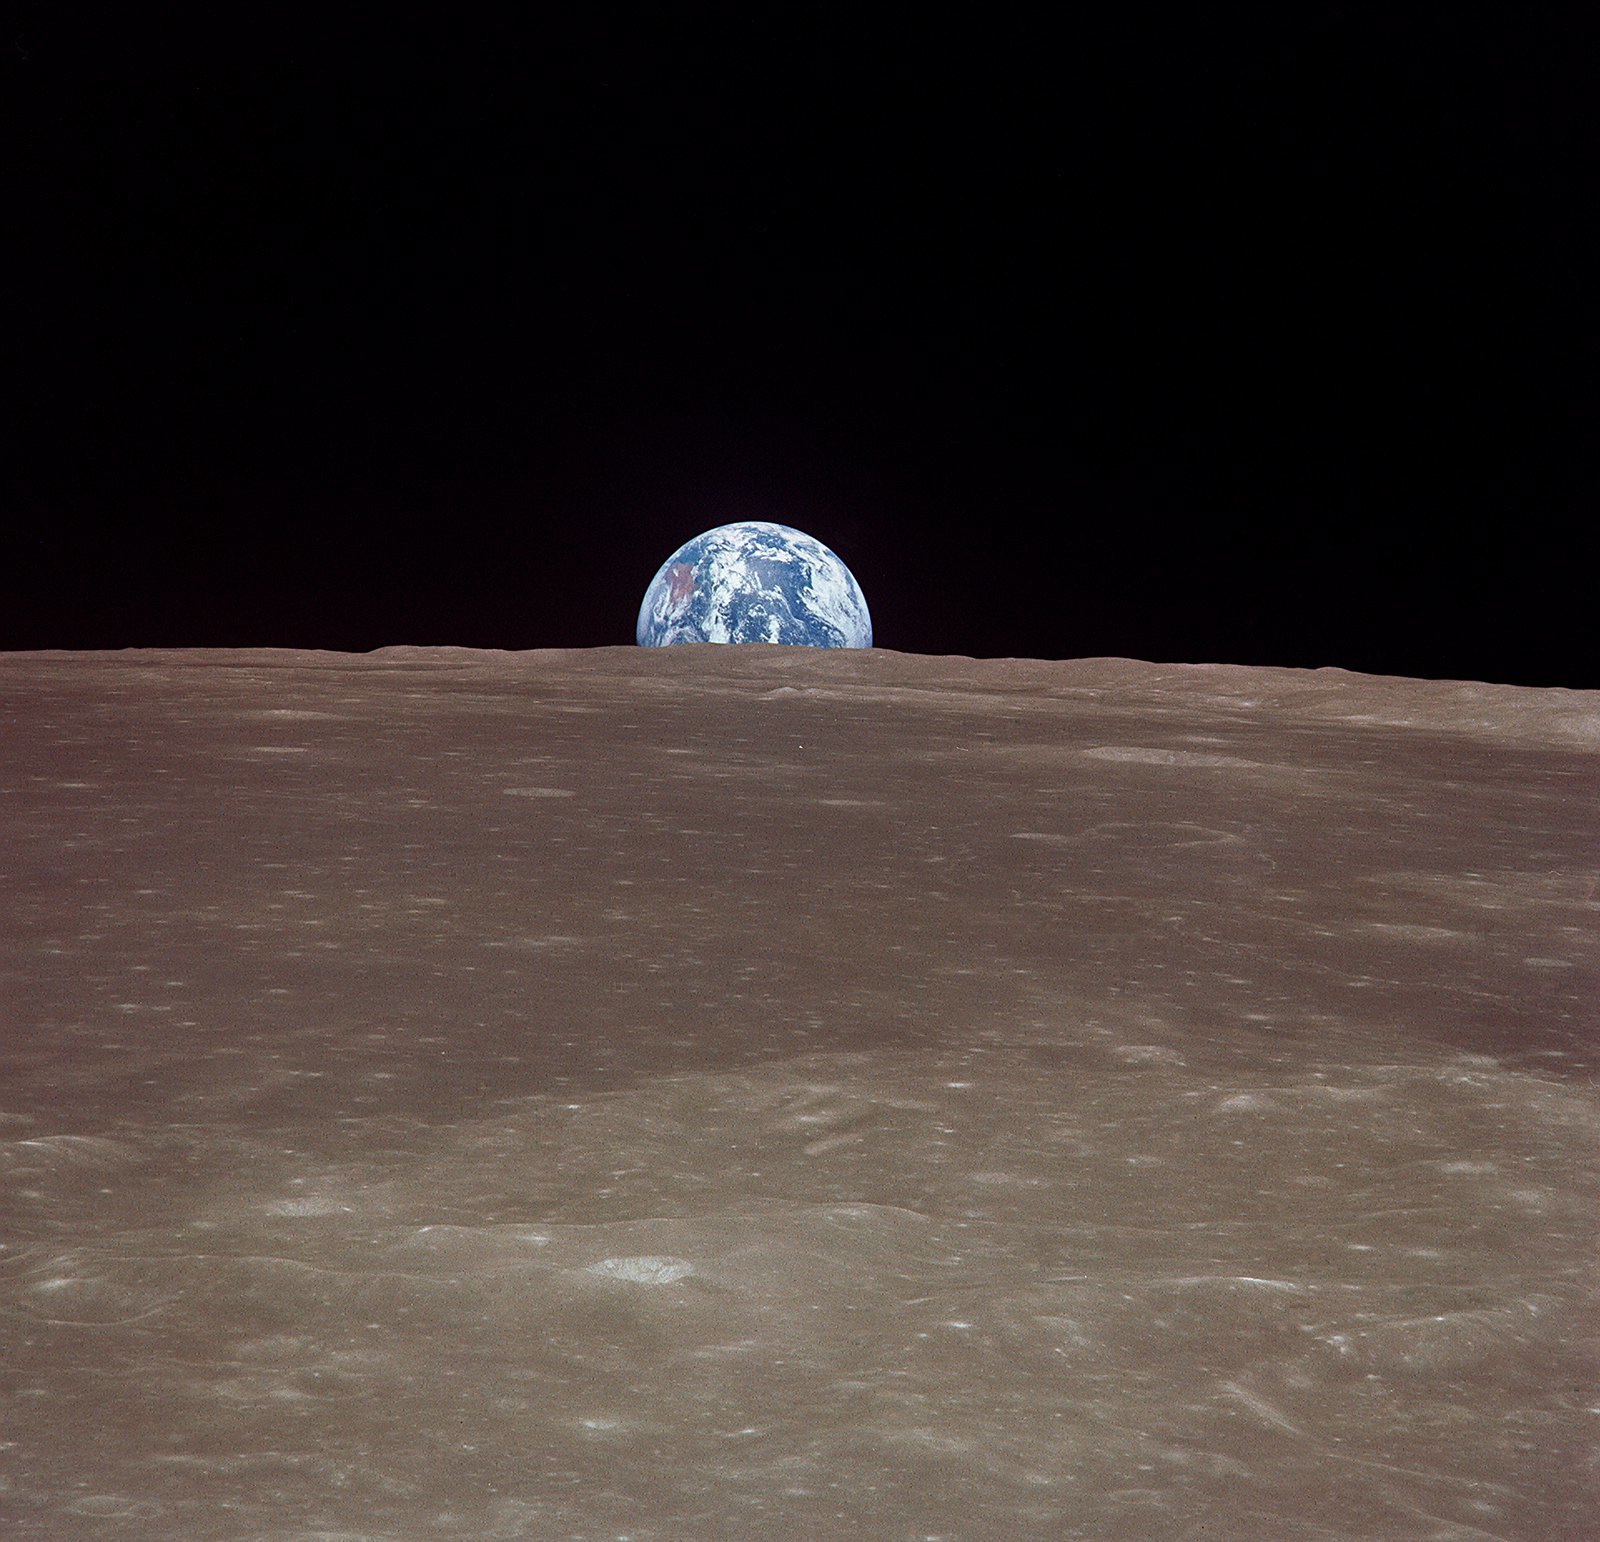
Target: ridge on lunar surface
[(725, 1092)]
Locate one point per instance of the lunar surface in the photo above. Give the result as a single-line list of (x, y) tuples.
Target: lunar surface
[(710, 1092)]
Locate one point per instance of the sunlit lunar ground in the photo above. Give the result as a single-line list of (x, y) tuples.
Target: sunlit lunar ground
[(719, 1093)]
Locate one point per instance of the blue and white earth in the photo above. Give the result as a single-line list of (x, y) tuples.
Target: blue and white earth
[(754, 582)]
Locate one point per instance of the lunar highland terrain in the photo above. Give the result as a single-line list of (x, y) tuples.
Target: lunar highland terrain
[(758, 1092)]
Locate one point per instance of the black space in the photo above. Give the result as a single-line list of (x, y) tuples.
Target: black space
[(1254, 334)]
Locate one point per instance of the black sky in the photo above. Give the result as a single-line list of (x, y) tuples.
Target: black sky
[(1256, 334)]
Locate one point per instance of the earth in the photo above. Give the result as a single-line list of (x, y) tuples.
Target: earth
[(754, 582)]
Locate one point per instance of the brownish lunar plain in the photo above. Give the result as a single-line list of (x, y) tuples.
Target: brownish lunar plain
[(750, 1092)]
